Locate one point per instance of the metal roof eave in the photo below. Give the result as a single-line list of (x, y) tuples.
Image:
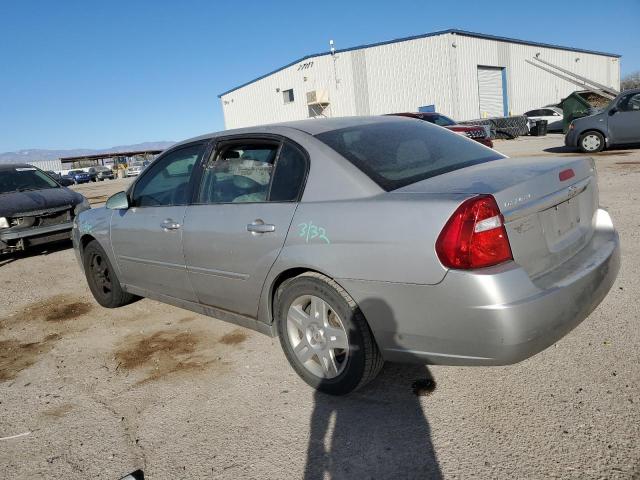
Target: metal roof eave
[(426, 35)]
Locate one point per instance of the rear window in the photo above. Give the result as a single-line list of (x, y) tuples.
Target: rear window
[(396, 154)]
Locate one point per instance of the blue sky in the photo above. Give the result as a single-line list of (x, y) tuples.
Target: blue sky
[(98, 74)]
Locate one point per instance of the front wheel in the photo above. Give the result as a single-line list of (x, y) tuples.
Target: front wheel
[(591, 142), (325, 337), (102, 279)]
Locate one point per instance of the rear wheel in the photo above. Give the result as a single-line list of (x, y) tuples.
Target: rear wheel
[(325, 337), (102, 279), (591, 142)]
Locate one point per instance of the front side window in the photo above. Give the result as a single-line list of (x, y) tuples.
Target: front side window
[(23, 179), (168, 181), (630, 103), (396, 154)]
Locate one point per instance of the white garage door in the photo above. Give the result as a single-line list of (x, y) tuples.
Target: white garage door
[(490, 92)]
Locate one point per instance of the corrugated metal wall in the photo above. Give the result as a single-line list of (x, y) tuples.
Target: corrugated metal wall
[(397, 77), (528, 87), (54, 165)]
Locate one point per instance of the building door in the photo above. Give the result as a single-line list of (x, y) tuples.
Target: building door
[(491, 92)]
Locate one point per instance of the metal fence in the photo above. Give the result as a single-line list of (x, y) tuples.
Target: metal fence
[(503, 127)]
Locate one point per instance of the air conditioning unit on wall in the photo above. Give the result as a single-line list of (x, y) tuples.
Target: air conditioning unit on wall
[(318, 97)]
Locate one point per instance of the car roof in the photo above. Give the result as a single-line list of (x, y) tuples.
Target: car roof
[(13, 166), (312, 126)]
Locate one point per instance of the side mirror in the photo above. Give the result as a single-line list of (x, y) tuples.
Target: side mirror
[(118, 201), (612, 111)]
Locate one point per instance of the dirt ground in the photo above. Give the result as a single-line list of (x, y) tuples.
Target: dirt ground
[(87, 392)]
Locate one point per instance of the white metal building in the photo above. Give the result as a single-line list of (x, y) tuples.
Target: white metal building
[(50, 165), (462, 74)]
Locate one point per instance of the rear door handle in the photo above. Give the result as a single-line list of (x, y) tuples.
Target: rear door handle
[(169, 224), (258, 226)]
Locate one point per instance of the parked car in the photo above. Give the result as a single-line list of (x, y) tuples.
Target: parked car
[(553, 116), (359, 240), (78, 176), (133, 170), (617, 124), (64, 181), (34, 209), (477, 133), (101, 173)]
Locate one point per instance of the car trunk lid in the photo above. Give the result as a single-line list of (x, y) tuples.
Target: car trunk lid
[(548, 204)]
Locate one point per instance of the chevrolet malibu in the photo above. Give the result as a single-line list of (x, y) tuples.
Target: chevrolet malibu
[(359, 240)]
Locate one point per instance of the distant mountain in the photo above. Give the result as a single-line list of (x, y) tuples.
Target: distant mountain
[(38, 154)]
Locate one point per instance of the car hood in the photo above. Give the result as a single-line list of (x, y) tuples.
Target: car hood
[(589, 119), (24, 202)]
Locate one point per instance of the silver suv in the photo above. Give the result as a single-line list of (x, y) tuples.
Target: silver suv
[(617, 124)]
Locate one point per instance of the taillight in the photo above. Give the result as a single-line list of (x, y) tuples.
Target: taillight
[(474, 236)]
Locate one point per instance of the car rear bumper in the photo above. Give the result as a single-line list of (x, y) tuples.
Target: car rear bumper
[(494, 316)]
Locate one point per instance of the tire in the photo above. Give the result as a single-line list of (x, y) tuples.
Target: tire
[(591, 142), (102, 279), (335, 354)]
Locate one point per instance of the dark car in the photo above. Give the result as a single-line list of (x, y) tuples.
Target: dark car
[(64, 181), (34, 209), (101, 173), (475, 132), (79, 176)]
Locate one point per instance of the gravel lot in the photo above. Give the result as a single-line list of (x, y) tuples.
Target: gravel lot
[(104, 392)]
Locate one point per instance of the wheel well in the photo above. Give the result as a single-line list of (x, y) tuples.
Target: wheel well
[(84, 241), (593, 130), (283, 277)]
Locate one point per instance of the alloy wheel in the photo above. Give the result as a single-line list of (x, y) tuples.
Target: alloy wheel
[(318, 337)]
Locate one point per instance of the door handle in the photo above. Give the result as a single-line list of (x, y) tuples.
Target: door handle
[(258, 226), (169, 224)]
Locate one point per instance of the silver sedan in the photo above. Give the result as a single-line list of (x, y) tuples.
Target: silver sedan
[(358, 240)]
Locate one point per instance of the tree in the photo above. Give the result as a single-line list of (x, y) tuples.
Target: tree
[(629, 81)]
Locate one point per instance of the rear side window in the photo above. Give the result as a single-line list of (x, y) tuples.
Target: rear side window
[(289, 176), (254, 171), (396, 154), (239, 173)]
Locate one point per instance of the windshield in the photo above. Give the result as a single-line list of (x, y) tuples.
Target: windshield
[(396, 154), (23, 179), (439, 120)]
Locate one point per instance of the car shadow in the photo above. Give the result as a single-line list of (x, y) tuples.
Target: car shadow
[(7, 258), (622, 150), (379, 431)]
